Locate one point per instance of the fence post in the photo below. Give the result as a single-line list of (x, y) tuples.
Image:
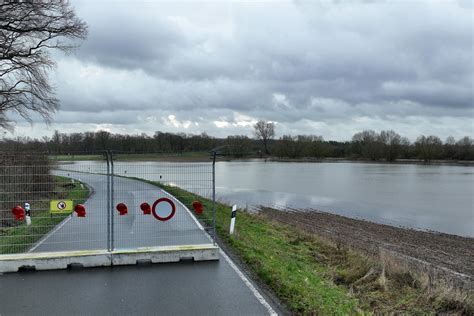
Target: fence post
[(214, 194), (106, 154), (112, 243)]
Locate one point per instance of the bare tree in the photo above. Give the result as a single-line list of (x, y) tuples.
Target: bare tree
[(428, 148), (450, 147), (391, 144), (264, 131), (29, 30), (366, 144), (465, 148)]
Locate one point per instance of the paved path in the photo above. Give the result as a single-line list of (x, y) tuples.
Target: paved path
[(185, 288), (131, 230)]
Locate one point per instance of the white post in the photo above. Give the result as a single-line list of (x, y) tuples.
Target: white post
[(232, 219), (27, 214)]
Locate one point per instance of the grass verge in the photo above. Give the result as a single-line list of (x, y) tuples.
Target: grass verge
[(172, 157), (20, 238)]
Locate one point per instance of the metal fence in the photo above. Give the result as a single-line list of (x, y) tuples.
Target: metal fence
[(107, 203)]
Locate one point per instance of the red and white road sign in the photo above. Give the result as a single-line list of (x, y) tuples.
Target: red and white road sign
[(163, 206)]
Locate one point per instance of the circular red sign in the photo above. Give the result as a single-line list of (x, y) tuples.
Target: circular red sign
[(173, 209)]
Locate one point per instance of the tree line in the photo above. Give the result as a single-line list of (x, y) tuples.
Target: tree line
[(367, 145)]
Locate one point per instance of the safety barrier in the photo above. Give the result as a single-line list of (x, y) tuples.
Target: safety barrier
[(108, 207)]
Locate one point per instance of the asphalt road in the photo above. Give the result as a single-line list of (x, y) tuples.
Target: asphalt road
[(194, 288)]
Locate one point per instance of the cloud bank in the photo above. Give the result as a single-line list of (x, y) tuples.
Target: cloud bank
[(330, 68)]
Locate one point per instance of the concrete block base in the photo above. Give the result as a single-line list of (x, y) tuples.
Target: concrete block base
[(103, 258)]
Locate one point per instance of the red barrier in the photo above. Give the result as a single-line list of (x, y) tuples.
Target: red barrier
[(80, 210), (122, 208), (146, 208), (19, 213), (198, 208)]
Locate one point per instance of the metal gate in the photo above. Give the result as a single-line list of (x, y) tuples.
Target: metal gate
[(104, 209)]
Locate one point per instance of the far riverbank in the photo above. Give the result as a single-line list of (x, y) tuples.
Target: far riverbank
[(206, 157)]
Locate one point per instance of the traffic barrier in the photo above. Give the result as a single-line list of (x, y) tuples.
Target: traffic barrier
[(80, 210), (198, 208), (146, 208), (92, 212), (19, 213), (122, 209)]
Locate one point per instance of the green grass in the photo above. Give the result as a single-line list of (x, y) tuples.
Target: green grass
[(20, 238), (183, 156), (75, 157)]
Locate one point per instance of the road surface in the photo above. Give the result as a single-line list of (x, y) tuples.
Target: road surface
[(191, 288)]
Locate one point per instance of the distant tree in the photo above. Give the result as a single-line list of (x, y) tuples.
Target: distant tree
[(292, 146), (28, 31), (264, 131), (238, 145), (56, 142), (465, 149), (428, 148), (314, 147), (391, 144), (285, 147), (366, 144), (450, 147), (103, 138), (405, 148)]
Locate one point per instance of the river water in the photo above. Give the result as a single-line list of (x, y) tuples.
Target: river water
[(438, 198)]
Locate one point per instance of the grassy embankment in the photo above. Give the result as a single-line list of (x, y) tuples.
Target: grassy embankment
[(313, 276), (184, 156), (17, 239)]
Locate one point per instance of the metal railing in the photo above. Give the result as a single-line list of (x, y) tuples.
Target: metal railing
[(104, 204)]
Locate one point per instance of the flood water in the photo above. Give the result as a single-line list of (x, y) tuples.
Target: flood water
[(438, 198)]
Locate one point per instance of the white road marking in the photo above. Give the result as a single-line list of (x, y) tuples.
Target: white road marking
[(58, 227), (244, 279), (252, 288)]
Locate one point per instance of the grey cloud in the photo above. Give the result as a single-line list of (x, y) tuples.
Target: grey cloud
[(119, 38), (371, 59)]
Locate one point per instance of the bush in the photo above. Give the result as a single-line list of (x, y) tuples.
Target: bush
[(23, 178)]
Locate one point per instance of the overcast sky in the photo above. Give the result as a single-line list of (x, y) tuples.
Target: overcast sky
[(329, 68)]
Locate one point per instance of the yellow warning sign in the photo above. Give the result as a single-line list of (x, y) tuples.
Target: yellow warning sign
[(61, 206)]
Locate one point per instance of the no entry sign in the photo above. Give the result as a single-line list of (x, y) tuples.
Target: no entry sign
[(162, 206)]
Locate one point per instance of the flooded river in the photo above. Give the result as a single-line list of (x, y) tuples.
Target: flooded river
[(424, 197)]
